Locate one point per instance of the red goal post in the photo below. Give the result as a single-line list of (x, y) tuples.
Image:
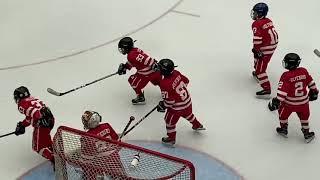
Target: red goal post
[(79, 155)]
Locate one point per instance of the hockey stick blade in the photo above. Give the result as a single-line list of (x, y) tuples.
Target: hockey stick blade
[(317, 52), (53, 92)]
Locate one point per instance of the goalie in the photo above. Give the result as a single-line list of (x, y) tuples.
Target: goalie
[(99, 157)]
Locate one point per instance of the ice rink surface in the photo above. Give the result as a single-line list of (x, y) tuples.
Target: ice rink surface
[(213, 50)]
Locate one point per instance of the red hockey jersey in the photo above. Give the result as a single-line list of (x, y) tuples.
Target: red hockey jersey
[(292, 88), (174, 91), (30, 107), (141, 61), (95, 148), (265, 36)]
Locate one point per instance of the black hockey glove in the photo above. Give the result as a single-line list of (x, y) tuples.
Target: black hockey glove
[(313, 95), (155, 67), (46, 120), (122, 69), (257, 54), (274, 104), (161, 107), (20, 129)]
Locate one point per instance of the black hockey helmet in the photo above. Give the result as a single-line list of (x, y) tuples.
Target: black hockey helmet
[(291, 61), (125, 45), (166, 66), (20, 93), (259, 10)]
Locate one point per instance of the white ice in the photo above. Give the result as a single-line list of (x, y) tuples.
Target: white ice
[(213, 50)]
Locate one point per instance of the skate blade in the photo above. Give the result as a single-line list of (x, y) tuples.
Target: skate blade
[(310, 139), (139, 103), (169, 145), (283, 135), (267, 96), (199, 129)]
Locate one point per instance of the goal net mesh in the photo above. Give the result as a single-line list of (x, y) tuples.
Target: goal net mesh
[(79, 155)]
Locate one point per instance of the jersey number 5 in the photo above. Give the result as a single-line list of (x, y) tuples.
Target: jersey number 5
[(181, 89), (299, 89)]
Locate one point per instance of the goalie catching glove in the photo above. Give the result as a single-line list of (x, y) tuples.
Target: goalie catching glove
[(20, 129), (274, 104)]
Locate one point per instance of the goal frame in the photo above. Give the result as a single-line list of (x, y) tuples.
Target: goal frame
[(186, 163)]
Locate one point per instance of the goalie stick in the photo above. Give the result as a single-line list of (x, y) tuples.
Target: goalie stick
[(317, 52), (6, 135), (56, 93)]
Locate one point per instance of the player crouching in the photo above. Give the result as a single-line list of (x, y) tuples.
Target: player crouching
[(176, 100), (143, 63), (94, 152), (293, 96), (40, 117)]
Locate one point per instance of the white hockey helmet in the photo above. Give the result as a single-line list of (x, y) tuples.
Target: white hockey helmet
[(90, 119)]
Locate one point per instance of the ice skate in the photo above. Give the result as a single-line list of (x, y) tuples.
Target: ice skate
[(283, 132), (263, 94), (139, 100), (168, 142), (308, 136), (200, 128)]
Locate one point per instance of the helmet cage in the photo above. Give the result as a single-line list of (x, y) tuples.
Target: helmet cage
[(90, 119)]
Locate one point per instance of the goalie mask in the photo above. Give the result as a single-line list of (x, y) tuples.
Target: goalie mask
[(90, 119)]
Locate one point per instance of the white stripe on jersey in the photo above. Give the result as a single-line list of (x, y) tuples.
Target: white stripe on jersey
[(297, 98)]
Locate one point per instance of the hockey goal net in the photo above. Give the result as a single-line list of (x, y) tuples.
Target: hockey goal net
[(79, 155)]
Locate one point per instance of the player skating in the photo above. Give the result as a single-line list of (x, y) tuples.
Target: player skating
[(40, 117), (176, 100), (265, 40), (293, 96), (144, 65)]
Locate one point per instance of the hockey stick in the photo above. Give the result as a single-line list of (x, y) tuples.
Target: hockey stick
[(53, 92), (127, 126), (317, 52), (7, 134), (144, 117)]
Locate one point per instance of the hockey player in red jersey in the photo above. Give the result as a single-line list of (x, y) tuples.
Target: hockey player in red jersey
[(91, 122), (99, 151), (265, 40), (40, 117), (144, 65), (176, 100), (293, 96)]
